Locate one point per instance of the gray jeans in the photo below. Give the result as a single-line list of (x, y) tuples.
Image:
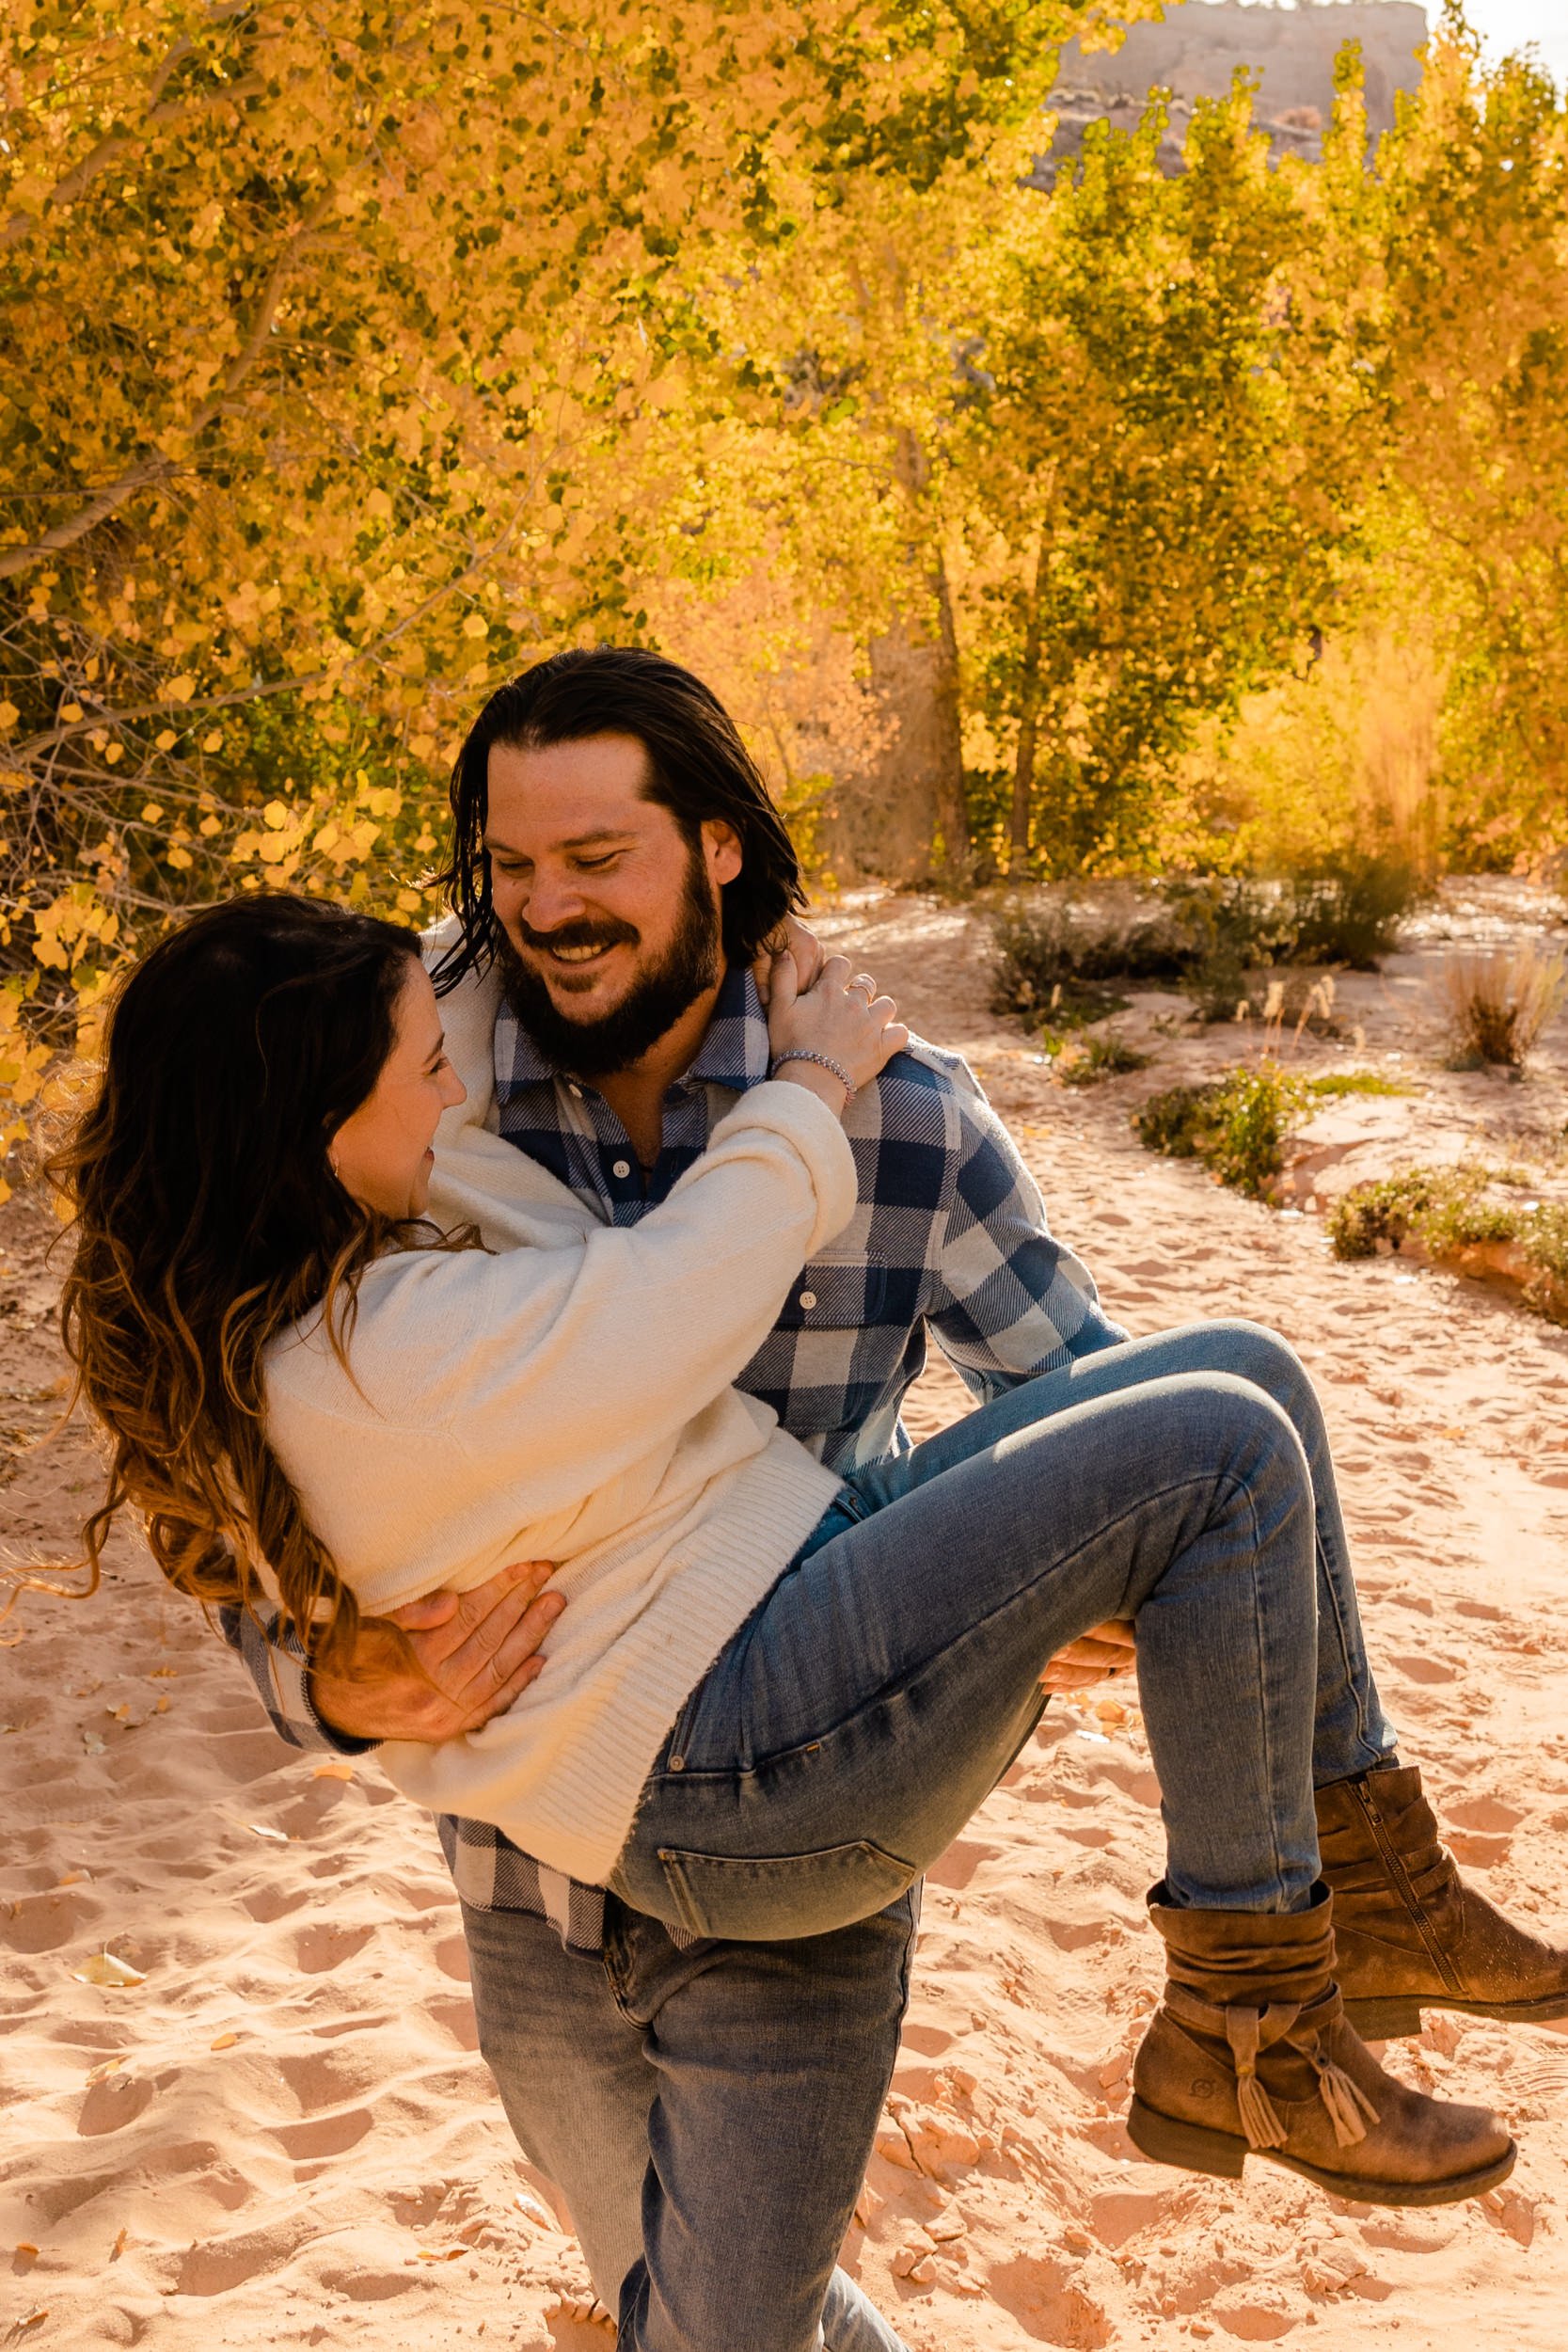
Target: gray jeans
[(715, 2106)]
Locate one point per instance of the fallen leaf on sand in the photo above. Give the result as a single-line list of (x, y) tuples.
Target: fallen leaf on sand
[(223, 2041), (105, 2068), (263, 1829), (336, 1768), (532, 2209), (121, 2242), (442, 2253), (74, 1878), (33, 2319), (26, 2250), (93, 1744), (162, 1674), (106, 1967)]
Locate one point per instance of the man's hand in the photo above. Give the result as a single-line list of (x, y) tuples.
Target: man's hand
[(1094, 1657), (791, 938), (445, 1664)]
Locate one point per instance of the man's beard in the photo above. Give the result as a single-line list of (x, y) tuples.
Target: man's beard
[(657, 998)]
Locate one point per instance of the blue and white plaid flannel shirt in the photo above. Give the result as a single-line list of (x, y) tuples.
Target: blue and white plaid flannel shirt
[(949, 1235)]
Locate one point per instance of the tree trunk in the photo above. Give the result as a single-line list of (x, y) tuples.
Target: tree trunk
[(910, 797), (1028, 723)]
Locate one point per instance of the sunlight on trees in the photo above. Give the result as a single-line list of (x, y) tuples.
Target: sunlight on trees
[(361, 352)]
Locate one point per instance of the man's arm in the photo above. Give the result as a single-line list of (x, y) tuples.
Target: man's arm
[(1010, 1300), (438, 1668)]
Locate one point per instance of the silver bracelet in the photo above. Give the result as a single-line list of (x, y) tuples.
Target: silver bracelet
[(823, 1061)]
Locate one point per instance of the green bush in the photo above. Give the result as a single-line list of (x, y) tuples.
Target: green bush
[(1351, 909), (1236, 1125), (1448, 1209), (1085, 1062)]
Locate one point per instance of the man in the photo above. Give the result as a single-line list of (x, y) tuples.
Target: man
[(707, 2110)]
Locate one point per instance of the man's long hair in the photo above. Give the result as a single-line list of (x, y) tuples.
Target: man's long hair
[(698, 768), (207, 1218)]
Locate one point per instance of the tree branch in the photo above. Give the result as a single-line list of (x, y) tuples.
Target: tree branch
[(22, 225)]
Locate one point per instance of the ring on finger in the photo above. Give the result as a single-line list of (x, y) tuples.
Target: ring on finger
[(863, 979)]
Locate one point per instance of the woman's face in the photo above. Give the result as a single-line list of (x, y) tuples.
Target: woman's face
[(382, 1152)]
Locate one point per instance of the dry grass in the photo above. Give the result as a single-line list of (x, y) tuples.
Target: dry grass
[(1498, 1001)]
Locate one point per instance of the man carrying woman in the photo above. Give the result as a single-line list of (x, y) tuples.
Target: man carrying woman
[(778, 1687)]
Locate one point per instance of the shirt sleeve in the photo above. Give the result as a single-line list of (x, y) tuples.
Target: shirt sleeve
[(276, 1665), (1010, 1300)]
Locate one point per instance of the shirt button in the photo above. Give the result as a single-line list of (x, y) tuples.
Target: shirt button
[(622, 1169), (808, 1300)]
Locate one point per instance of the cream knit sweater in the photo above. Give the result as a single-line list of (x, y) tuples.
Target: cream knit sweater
[(568, 1399)]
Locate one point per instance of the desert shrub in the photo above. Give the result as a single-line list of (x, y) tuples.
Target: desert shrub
[(1236, 1125), (1350, 909), (1083, 1061), (1048, 962), (1450, 1210), (1499, 1003)]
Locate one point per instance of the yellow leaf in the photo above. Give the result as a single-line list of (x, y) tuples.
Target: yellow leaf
[(34, 2318), (442, 2253), (410, 902), (9, 716), (107, 1968), (181, 860), (276, 814), (263, 1828), (213, 742), (334, 1768), (153, 813), (378, 505), (70, 711), (120, 2245), (180, 689), (28, 2250), (223, 2041), (167, 739), (115, 752), (210, 825), (476, 626), (105, 2068)]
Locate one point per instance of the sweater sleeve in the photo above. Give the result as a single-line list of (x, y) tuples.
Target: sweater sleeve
[(558, 1367)]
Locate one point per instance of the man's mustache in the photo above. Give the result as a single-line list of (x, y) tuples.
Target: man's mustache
[(582, 935)]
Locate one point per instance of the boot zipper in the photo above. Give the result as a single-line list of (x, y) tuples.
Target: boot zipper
[(1394, 1863)]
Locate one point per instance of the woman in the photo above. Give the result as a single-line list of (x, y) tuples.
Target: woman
[(767, 1706)]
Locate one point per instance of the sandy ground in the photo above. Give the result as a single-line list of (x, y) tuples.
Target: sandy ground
[(283, 2136)]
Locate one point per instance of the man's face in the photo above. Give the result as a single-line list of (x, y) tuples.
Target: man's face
[(611, 915)]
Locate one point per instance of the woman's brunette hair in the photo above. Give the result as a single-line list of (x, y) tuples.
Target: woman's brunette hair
[(698, 768), (208, 1219)]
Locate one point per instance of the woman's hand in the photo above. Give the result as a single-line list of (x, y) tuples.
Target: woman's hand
[(841, 1017), (1105, 1651), (791, 938)]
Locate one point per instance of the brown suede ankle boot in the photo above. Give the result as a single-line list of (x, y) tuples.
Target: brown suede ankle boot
[(1249, 2054), (1408, 1933)]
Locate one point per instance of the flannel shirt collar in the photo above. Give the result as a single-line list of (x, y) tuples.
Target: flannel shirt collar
[(734, 1053)]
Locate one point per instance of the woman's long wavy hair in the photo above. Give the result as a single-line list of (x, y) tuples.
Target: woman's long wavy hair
[(208, 1219)]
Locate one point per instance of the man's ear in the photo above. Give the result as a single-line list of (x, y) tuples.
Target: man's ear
[(720, 850)]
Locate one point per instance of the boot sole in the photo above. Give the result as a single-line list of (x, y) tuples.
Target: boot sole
[(1196, 2149), (1398, 2016)]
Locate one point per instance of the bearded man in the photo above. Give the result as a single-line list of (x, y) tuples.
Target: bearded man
[(708, 2108)]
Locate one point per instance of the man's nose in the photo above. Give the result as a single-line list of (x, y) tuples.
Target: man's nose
[(548, 900)]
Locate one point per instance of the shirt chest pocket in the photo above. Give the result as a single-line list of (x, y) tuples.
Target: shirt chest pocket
[(834, 1294)]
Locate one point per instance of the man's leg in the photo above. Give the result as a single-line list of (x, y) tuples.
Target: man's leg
[(1350, 1732), (580, 2050), (573, 2076), (772, 2061)]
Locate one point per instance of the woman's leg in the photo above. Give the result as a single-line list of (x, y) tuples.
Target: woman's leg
[(869, 1705), (1351, 1733)]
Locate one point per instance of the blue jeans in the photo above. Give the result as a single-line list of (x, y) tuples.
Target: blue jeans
[(871, 1701), (715, 2106)]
